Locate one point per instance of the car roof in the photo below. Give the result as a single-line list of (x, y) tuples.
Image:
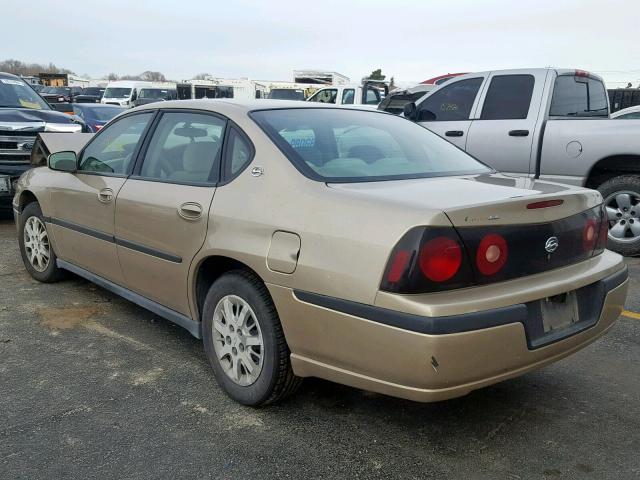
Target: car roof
[(9, 75), (228, 105)]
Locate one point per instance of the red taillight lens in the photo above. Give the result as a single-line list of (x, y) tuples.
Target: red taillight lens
[(603, 233), (590, 234), (492, 254), (440, 259), (398, 266), (545, 204)]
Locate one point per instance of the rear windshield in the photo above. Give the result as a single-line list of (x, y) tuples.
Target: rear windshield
[(15, 93), (341, 145), (286, 94), (578, 97)]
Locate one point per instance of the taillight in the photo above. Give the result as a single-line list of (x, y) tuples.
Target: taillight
[(440, 259), (427, 259), (603, 233), (492, 254), (590, 234)]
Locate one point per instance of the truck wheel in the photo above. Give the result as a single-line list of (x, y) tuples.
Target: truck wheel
[(622, 202), (36, 250), (244, 341)]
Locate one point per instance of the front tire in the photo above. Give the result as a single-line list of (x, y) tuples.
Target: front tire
[(35, 248), (622, 202), (244, 341)]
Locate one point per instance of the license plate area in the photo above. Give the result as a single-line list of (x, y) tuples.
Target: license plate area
[(5, 184), (559, 312)]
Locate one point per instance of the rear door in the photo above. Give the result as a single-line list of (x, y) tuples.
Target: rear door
[(505, 128), (162, 210), (447, 111)]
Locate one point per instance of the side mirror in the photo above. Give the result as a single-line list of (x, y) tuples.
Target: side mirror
[(410, 111), (63, 161)]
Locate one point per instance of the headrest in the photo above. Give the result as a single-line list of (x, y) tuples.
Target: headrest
[(199, 156)]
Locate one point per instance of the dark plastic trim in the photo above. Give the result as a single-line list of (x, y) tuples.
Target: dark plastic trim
[(192, 326), (112, 239)]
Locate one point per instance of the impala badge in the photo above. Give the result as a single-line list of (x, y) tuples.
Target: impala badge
[(551, 245)]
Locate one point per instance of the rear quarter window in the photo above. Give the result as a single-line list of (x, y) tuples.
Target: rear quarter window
[(575, 96)]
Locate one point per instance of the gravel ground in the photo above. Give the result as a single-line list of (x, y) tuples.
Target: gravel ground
[(95, 387)]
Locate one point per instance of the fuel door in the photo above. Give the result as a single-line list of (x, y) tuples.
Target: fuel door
[(283, 252)]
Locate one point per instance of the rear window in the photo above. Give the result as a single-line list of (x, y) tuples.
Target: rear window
[(508, 97), (339, 145), (578, 97)]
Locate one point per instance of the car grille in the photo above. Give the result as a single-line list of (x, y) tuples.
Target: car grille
[(16, 146)]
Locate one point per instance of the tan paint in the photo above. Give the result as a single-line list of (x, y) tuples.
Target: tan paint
[(346, 233), (283, 252)]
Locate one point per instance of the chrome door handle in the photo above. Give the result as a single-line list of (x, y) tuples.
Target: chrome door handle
[(105, 195), (190, 211)]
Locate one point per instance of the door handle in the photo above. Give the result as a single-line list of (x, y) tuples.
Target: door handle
[(105, 195), (518, 133), (454, 133), (190, 211)]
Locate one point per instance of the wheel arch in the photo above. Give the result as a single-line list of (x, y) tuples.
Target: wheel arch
[(612, 166), (208, 270), (26, 197)]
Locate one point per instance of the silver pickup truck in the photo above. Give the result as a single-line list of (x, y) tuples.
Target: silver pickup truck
[(546, 123)]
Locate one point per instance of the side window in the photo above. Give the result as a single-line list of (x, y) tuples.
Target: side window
[(575, 96), (239, 152), (348, 95), (112, 150), (450, 103), (328, 95), (185, 147), (372, 96), (508, 97)]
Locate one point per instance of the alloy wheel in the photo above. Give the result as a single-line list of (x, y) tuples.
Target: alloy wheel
[(238, 341), (36, 244), (623, 214)]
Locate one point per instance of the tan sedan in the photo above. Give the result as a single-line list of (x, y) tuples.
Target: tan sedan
[(301, 240)]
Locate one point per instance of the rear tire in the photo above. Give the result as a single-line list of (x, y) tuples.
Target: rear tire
[(35, 248), (244, 341), (622, 201)]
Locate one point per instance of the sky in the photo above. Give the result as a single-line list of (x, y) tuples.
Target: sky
[(267, 40)]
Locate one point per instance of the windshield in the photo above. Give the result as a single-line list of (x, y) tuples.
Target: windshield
[(17, 94), (116, 92), (92, 91), (154, 93), (336, 145), (59, 90), (286, 94)]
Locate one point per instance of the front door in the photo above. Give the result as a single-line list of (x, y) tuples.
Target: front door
[(83, 203), (447, 111), (162, 211), (505, 129)]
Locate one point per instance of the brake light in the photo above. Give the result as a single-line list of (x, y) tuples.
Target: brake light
[(545, 204), (398, 266), (589, 234), (603, 233), (440, 259), (492, 254), (581, 73)]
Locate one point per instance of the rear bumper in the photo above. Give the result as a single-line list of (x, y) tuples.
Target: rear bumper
[(439, 358)]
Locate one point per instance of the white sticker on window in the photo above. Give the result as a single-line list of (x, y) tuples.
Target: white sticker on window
[(10, 81)]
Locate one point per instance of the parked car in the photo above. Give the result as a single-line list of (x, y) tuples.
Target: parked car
[(370, 92), (123, 92), (631, 113), (55, 95), (96, 115), (545, 123), (397, 99), (346, 244), (90, 95), (23, 113), (153, 94)]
